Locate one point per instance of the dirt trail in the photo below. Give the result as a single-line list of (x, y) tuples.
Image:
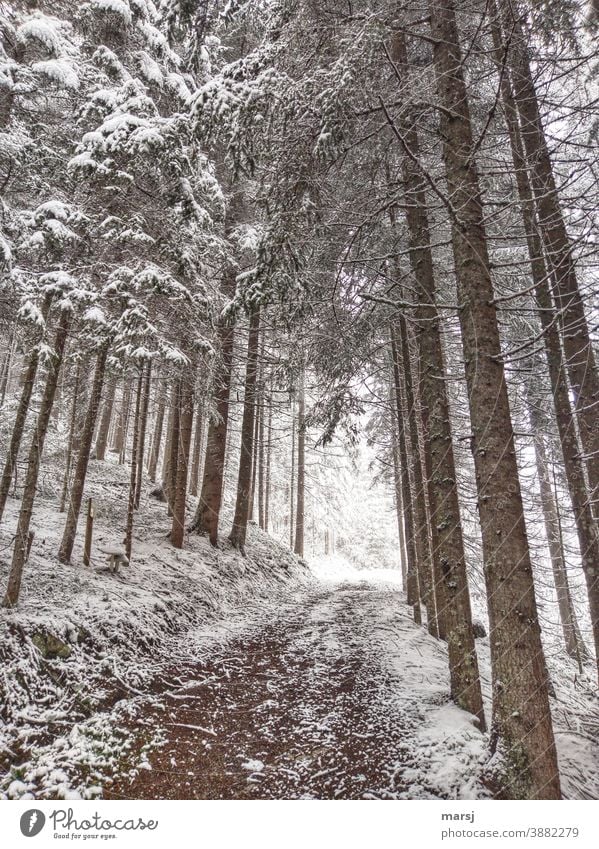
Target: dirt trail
[(306, 708)]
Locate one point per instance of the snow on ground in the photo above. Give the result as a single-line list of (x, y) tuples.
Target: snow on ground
[(202, 674), (83, 639)]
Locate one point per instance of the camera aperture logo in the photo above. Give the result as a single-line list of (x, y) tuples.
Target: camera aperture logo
[(32, 822)]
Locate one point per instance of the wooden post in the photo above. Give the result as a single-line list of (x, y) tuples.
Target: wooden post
[(89, 526)]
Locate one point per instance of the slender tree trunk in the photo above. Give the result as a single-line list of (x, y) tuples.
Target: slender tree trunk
[(292, 482), (449, 560), (268, 467), (412, 587), (522, 731), (185, 427), (157, 436), (586, 527), (260, 455), (569, 622), (6, 366), (209, 506), (197, 452), (244, 479), (133, 467), (20, 551), (253, 499), (421, 525), (143, 425), (106, 418), (172, 447), (301, 468), (29, 376), (120, 437), (580, 358), (399, 509), (72, 426), (70, 529)]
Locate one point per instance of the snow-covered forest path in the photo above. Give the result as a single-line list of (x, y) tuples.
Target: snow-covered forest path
[(336, 697)]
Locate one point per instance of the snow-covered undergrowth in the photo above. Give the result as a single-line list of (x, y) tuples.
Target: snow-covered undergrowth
[(84, 640), (447, 755)]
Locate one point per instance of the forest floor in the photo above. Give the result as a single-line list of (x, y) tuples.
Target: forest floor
[(339, 697), (203, 674)]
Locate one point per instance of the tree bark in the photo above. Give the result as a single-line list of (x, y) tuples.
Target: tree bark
[(143, 425), (208, 510), (449, 559), (244, 479), (106, 418), (172, 448), (412, 587), (72, 425), (6, 366), (292, 482), (20, 551), (586, 527), (70, 530), (133, 467), (120, 437), (580, 359), (196, 461), (522, 732), (569, 621), (184, 442), (21, 417), (260, 456), (268, 467), (298, 546), (421, 525), (157, 435)]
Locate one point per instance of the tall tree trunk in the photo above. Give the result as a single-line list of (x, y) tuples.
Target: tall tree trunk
[(72, 426), (33, 465), (157, 435), (105, 419), (133, 467), (209, 506), (143, 426), (244, 479), (449, 559), (569, 621), (421, 524), (301, 468), (260, 456), (522, 731), (580, 358), (196, 454), (70, 529), (586, 527), (268, 467), (184, 442), (120, 437), (29, 376), (399, 509), (6, 366), (292, 482), (412, 587), (171, 457)]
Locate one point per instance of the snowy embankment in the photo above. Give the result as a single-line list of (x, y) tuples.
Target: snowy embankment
[(84, 640)]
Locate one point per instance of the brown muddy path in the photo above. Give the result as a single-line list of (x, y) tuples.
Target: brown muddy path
[(305, 708)]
